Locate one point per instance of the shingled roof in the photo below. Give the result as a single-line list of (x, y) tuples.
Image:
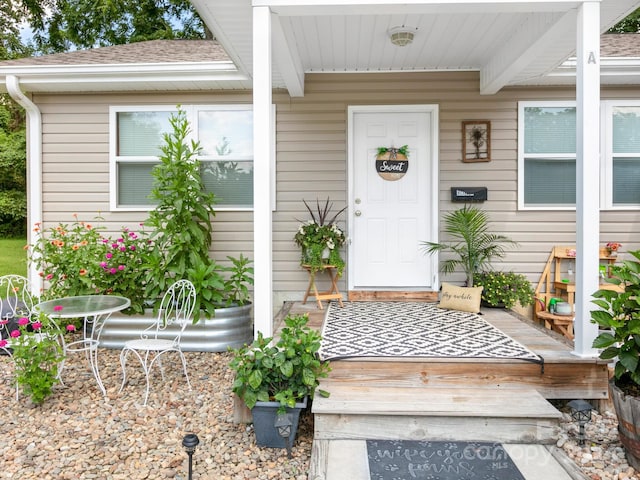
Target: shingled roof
[(620, 45), (149, 52)]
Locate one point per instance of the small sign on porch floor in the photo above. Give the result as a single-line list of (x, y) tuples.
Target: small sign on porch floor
[(408, 460)]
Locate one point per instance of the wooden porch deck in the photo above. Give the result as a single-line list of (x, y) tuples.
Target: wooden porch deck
[(490, 400), (565, 376)]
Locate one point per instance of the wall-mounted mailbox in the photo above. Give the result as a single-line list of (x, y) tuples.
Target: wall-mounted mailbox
[(468, 194)]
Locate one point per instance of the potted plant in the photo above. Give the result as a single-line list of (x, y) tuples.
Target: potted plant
[(612, 248), (619, 322), (320, 238), (472, 244), (504, 289), (278, 378)]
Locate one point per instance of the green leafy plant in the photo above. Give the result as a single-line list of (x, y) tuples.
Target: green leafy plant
[(472, 244), (320, 238), (504, 289), (235, 288), (619, 319), (181, 220), (37, 353), (284, 372), (182, 232)]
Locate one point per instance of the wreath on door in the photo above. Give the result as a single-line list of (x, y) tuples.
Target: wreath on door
[(392, 163)]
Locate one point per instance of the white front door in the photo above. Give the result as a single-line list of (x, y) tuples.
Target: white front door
[(388, 217)]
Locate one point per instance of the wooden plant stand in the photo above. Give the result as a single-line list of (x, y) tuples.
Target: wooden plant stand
[(563, 324), (312, 290)]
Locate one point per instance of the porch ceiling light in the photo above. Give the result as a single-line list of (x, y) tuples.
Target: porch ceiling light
[(401, 36)]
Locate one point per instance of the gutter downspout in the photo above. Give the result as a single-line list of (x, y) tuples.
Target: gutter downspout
[(34, 170)]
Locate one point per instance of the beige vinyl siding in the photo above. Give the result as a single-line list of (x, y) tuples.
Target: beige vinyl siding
[(76, 165), (321, 115), (312, 162)]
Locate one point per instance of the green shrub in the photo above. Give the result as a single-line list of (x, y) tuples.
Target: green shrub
[(504, 288)]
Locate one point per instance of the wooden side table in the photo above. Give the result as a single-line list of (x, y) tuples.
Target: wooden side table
[(312, 290), (562, 324)]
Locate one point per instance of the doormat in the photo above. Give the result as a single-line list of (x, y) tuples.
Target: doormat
[(414, 329), (409, 460)]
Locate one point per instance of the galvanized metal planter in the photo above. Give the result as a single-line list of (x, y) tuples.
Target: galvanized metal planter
[(230, 327)]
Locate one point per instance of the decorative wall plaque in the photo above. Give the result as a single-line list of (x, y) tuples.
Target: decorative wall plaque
[(476, 141)]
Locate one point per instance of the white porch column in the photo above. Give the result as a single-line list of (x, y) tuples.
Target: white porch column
[(588, 174), (262, 151)]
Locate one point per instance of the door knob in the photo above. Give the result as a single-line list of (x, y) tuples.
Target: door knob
[(358, 213)]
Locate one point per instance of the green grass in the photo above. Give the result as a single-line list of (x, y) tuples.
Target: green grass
[(13, 256)]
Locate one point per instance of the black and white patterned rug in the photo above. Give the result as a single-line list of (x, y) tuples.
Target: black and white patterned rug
[(414, 329)]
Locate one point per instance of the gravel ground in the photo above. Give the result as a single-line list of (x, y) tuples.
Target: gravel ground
[(602, 456), (79, 434)]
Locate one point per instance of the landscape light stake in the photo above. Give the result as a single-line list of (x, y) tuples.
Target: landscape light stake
[(581, 413), (190, 442), (283, 424)]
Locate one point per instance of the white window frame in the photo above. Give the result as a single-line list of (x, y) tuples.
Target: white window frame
[(606, 148), (606, 153), (192, 116), (521, 153)]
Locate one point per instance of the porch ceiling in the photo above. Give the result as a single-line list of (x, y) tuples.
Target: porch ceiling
[(509, 42)]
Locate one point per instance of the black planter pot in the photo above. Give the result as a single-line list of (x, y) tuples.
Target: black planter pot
[(486, 304), (628, 412), (264, 417)]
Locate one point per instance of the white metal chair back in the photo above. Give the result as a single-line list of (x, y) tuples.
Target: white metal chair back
[(176, 308), (15, 301)]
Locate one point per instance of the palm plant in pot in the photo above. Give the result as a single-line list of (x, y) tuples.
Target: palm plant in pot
[(277, 378), (619, 339), (472, 243)]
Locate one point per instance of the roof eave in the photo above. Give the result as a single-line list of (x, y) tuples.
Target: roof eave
[(55, 78)]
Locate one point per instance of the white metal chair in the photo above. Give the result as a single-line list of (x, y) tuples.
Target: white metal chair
[(176, 309)]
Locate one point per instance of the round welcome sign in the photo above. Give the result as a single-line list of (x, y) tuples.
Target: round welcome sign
[(392, 163)]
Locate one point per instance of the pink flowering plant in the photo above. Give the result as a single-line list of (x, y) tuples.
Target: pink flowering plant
[(77, 259), (123, 267), (38, 353)]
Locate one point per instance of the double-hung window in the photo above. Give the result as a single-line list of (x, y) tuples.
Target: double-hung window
[(225, 135), (621, 154), (547, 155)]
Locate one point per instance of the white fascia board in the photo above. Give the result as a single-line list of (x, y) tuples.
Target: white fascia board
[(385, 7), (32, 76), (120, 68), (609, 67), (531, 39)]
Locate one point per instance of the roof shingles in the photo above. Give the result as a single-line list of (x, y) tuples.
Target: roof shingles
[(149, 52)]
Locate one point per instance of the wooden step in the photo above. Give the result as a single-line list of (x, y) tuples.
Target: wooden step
[(516, 415), (568, 378)]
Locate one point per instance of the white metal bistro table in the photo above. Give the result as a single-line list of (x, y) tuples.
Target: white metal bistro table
[(95, 310)]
